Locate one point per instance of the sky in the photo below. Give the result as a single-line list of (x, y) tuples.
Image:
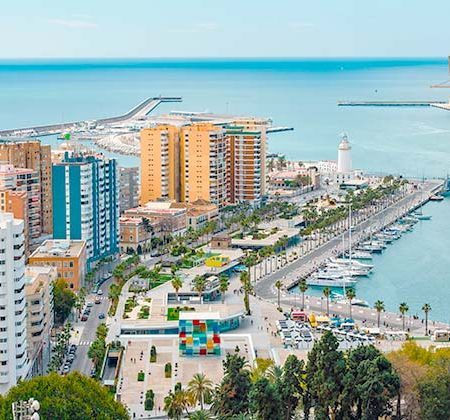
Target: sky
[(224, 28)]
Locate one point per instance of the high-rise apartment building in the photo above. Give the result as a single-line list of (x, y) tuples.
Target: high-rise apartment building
[(203, 167), (39, 296), (160, 163), (129, 188), (23, 180), (86, 203), (31, 154), (219, 164), (14, 362), (245, 167)]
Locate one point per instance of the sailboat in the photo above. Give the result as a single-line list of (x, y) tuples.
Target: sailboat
[(419, 212)]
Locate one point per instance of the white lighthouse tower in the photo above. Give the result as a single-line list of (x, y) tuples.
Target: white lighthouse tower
[(344, 165)]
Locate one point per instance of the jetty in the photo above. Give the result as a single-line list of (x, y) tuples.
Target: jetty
[(136, 113), (395, 103)]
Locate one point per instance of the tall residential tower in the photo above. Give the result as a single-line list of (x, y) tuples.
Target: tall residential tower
[(86, 203)]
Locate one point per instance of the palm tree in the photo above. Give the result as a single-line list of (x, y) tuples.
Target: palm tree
[(201, 415), (199, 286), (278, 285), (379, 306), (403, 308), (426, 308), (247, 288), (327, 292), (223, 286), (176, 403), (351, 294), (249, 261), (177, 284), (303, 286), (200, 387)]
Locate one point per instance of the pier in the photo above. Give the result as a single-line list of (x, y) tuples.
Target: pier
[(138, 112), (394, 103)]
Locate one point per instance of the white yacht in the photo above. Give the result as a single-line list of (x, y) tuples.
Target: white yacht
[(330, 282)]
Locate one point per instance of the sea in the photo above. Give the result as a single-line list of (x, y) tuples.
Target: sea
[(298, 93)]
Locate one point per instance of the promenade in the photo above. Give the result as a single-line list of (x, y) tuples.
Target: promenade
[(300, 262)]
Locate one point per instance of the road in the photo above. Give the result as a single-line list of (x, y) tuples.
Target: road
[(84, 332)]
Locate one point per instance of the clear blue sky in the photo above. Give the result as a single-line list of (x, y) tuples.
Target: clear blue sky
[(224, 28)]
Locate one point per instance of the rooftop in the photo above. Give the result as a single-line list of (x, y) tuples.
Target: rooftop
[(59, 248)]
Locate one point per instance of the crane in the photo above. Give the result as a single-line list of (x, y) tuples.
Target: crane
[(445, 84)]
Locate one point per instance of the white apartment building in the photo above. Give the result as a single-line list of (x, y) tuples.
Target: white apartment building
[(14, 363)]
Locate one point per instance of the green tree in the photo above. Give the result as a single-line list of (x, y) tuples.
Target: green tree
[(403, 308), (200, 388), (247, 288), (292, 384), (264, 400), (327, 292), (199, 286), (350, 294), (379, 306), (370, 385), (64, 300), (177, 284), (303, 287), (201, 415), (176, 403), (97, 349), (426, 308), (278, 285), (324, 377), (70, 397), (223, 286), (434, 395), (231, 396)]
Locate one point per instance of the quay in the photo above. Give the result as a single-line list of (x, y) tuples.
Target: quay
[(292, 272), (138, 112), (279, 129), (393, 103)]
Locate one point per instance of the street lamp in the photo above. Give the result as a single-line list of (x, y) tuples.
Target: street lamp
[(26, 410)]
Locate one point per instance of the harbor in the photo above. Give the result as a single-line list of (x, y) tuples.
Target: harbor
[(329, 251)]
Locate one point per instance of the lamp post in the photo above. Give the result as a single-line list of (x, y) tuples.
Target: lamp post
[(26, 410)]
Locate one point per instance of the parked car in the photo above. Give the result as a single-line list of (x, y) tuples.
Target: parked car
[(101, 316), (89, 305), (99, 292), (84, 317)]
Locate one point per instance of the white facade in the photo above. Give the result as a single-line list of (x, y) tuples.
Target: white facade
[(14, 363), (344, 156)]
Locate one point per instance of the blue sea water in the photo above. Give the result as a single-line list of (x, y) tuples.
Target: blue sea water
[(298, 93)]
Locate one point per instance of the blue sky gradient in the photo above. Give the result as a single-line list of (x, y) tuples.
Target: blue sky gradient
[(224, 28)]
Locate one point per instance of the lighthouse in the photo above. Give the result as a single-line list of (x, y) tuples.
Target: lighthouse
[(344, 165)]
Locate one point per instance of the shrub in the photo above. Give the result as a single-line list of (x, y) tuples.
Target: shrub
[(149, 400), (141, 376), (168, 370), (153, 354)]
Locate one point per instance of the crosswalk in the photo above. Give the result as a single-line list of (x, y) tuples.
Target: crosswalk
[(85, 343)]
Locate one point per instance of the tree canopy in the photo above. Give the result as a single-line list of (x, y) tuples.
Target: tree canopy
[(71, 397)]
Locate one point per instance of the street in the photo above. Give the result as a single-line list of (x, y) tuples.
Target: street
[(84, 332)]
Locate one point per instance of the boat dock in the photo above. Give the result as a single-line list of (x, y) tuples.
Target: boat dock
[(435, 103), (138, 112)]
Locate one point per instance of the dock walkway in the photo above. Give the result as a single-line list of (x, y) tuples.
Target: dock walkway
[(391, 103)]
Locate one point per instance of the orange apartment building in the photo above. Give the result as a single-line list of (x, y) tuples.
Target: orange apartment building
[(37, 157), (203, 168), (68, 256), (16, 202), (202, 161), (27, 181), (160, 162)]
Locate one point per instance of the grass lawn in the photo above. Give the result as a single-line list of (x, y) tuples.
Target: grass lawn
[(173, 314)]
